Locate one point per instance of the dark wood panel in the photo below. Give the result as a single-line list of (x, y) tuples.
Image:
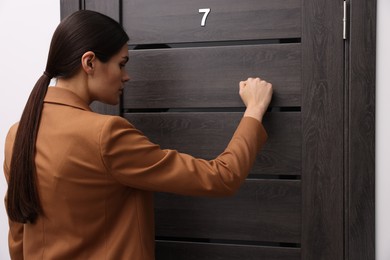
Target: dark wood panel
[(68, 7), (209, 77), (262, 210), (322, 130), (206, 135), (154, 21), (361, 175), (202, 251), (110, 8), (105, 109)]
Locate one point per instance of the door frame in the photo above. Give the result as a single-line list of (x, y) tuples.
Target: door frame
[(360, 168), (322, 192)]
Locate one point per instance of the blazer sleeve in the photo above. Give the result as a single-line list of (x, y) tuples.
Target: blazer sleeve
[(136, 162), (15, 234)]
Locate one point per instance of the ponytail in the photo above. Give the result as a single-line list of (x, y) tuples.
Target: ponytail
[(23, 204)]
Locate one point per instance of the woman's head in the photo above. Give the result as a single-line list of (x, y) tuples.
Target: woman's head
[(78, 33)]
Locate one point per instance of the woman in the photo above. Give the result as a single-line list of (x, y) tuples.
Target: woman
[(80, 184)]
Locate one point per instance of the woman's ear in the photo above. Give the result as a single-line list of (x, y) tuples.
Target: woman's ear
[(88, 62)]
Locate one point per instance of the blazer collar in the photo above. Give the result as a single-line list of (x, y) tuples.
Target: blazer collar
[(65, 97)]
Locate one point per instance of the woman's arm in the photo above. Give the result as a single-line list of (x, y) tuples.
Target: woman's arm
[(134, 161)]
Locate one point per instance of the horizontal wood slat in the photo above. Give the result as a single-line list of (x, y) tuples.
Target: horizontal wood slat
[(209, 76), (206, 135), (110, 8), (105, 109), (153, 21), (262, 210), (167, 250)]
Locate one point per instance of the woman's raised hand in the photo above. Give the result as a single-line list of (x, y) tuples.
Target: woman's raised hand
[(256, 95)]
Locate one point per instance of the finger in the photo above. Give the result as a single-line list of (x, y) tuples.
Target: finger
[(242, 84)]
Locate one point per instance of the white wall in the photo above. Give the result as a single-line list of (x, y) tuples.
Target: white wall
[(26, 27), (383, 132)]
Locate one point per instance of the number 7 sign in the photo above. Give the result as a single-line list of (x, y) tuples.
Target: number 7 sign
[(206, 12)]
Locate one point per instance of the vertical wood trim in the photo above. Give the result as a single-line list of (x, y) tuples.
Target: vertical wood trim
[(322, 125), (69, 6), (112, 9), (346, 137), (361, 183)]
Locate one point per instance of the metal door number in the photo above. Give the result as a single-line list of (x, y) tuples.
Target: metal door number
[(206, 12)]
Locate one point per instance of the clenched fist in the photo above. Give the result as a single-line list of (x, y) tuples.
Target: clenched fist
[(256, 95)]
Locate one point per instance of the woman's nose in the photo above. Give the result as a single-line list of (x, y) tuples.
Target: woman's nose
[(125, 77)]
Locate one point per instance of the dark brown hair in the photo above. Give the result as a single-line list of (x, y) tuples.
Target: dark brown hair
[(78, 33)]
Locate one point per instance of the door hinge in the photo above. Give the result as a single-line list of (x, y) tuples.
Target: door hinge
[(345, 21)]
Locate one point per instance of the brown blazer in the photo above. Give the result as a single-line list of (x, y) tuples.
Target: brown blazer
[(96, 177)]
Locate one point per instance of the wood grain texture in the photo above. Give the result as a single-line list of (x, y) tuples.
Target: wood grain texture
[(209, 76), (69, 6), (206, 135), (262, 210), (166, 250), (322, 130), (361, 175), (175, 21), (110, 8)]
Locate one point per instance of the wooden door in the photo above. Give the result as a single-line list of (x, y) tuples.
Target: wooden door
[(187, 58)]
